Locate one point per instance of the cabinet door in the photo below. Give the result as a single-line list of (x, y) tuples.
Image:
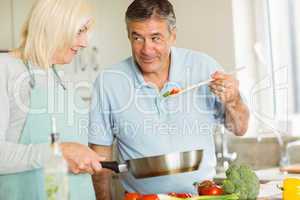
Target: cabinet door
[(6, 35), (21, 10)]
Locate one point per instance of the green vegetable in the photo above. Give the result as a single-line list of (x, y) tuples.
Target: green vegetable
[(242, 180), (216, 197), (166, 94), (51, 187), (211, 197)]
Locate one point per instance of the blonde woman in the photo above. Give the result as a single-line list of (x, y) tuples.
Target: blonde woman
[(31, 92)]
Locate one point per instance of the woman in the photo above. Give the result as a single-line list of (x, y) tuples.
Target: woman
[(31, 92)]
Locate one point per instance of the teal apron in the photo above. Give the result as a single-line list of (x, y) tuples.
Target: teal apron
[(29, 185)]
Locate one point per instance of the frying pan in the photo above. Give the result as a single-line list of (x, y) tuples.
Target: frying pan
[(160, 165)]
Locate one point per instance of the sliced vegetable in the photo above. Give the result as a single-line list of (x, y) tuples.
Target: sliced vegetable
[(204, 197), (172, 92), (216, 197), (180, 195), (166, 94), (132, 196), (208, 187), (148, 197), (137, 196), (175, 91)]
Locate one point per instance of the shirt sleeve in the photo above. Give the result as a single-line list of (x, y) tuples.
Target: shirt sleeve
[(16, 157), (100, 117)]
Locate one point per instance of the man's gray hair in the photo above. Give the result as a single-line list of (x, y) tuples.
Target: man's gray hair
[(140, 10)]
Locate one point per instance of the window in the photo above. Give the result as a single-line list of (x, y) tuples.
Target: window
[(266, 41)]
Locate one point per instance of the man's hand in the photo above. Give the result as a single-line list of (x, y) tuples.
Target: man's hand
[(80, 158), (226, 87)]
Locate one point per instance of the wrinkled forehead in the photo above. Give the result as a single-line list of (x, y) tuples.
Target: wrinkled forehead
[(148, 27)]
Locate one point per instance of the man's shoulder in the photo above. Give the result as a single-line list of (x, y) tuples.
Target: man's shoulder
[(115, 73), (196, 59), (190, 54)]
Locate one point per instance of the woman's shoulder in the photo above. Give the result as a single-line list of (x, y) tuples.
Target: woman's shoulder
[(10, 65)]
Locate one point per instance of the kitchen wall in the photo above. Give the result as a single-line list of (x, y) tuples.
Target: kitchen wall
[(6, 25), (204, 25)]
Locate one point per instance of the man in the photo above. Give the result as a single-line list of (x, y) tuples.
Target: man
[(128, 103)]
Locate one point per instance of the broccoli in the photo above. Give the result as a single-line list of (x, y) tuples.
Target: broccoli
[(242, 180)]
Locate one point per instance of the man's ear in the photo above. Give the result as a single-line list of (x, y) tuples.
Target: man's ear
[(173, 35), (128, 34)]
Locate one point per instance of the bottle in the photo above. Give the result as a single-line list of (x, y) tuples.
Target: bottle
[(56, 170)]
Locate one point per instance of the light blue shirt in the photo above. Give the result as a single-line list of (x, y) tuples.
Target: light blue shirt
[(144, 123)]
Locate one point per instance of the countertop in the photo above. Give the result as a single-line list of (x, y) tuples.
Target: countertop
[(269, 178), (266, 175)]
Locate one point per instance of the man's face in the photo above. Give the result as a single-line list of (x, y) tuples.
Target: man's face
[(151, 42)]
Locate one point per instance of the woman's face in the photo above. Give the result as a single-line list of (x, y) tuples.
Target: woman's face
[(81, 41)]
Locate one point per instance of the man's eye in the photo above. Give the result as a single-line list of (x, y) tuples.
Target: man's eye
[(156, 39), (136, 38)]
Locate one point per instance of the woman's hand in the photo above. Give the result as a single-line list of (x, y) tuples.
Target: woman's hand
[(80, 158)]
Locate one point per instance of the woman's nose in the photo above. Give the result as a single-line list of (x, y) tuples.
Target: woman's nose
[(83, 40)]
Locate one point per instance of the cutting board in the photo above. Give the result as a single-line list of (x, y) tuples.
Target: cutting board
[(291, 169)]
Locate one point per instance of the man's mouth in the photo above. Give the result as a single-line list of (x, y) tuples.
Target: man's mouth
[(148, 60), (74, 51)]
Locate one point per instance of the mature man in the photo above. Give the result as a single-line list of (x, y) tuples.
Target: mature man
[(128, 103)]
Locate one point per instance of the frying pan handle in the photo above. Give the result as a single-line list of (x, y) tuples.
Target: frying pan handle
[(112, 165)]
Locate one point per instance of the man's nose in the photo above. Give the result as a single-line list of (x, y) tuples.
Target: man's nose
[(147, 47)]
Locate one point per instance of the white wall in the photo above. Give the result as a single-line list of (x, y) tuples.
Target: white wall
[(21, 9), (204, 25), (6, 25), (207, 26)]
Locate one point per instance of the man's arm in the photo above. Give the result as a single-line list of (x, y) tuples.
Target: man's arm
[(102, 180), (237, 117), (226, 87)]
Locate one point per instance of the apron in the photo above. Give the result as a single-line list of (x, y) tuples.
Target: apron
[(29, 185)]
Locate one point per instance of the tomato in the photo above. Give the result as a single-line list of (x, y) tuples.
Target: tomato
[(132, 196), (137, 196), (180, 195), (148, 197), (174, 91), (209, 188)]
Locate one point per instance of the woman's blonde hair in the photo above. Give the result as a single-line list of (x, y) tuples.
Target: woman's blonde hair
[(52, 25)]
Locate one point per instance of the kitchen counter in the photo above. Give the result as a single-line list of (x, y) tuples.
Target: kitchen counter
[(269, 179), (266, 175)]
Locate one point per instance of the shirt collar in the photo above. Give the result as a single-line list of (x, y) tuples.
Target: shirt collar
[(176, 73)]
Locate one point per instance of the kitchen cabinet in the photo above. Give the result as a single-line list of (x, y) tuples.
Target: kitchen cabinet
[(6, 33), (20, 11), (12, 16)]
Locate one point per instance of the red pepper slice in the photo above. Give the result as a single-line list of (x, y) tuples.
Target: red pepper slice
[(132, 196), (180, 195), (149, 197)]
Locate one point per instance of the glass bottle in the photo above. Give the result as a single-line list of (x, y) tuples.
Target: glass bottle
[(56, 170)]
